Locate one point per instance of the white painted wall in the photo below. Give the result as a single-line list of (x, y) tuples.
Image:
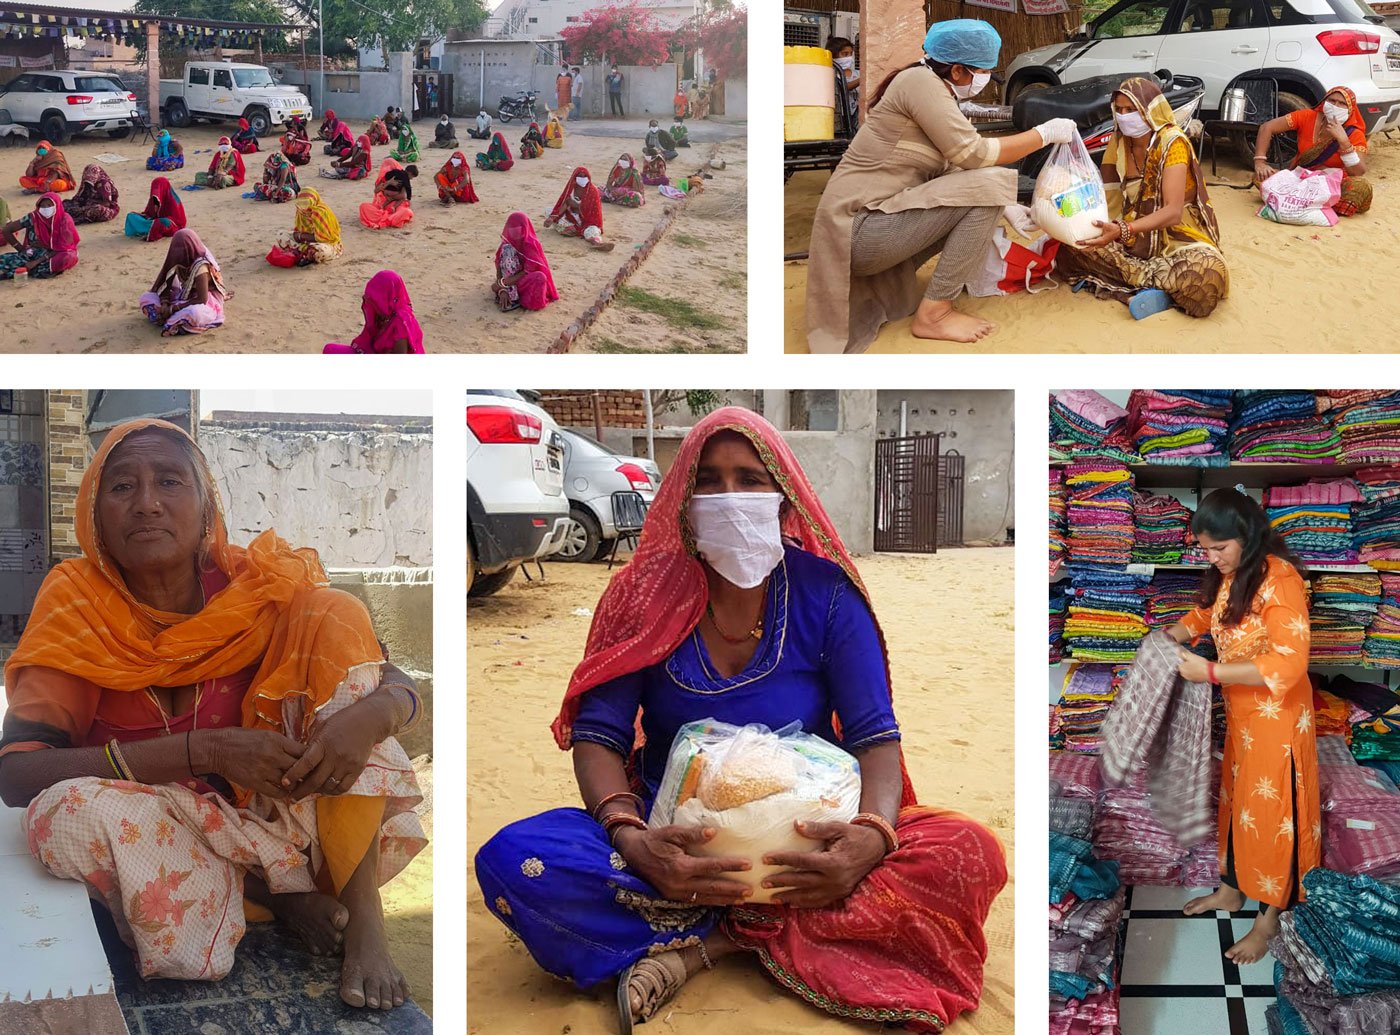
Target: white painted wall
[(535, 18)]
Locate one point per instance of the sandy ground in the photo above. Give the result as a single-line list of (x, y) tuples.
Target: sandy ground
[(1279, 276), (445, 255), (523, 643), (408, 903)]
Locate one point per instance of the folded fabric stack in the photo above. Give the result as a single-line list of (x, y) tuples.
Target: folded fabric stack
[(1382, 649), (1178, 426), (1315, 519), (1084, 422), (1084, 700), (1361, 815), (1376, 532), (1281, 427), (1127, 831), (1107, 612), (1059, 521), (1077, 775), (1331, 714), (1378, 483), (1171, 595), (1059, 609), (1371, 431), (1338, 958), (1343, 605), (1057, 737), (1099, 513), (1378, 738), (1159, 528)]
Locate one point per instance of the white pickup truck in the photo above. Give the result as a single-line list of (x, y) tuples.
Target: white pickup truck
[(227, 90)]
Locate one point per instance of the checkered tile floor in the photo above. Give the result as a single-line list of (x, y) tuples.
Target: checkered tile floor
[(1175, 977)]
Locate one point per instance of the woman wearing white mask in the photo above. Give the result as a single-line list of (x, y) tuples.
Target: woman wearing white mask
[(579, 211), (1330, 136), (741, 604), (1163, 234), (917, 181), (843, 55), (49, 245)]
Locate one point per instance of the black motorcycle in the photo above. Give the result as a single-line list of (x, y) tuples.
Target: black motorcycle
[(1089, 102), (520, 106)]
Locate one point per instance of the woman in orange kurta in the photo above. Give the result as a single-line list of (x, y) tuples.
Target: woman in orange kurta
[(1255, 607), (1330, 136)]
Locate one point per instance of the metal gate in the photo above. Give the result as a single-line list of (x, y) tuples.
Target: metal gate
[(950, 498), (907, 485)]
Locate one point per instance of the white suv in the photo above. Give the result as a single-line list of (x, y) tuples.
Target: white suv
[(516, 507), (1307, 46), (57, 105)]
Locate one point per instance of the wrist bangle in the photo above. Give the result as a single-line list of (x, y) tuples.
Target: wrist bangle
[(415, 711), (1210, 672), (618, 796), (879, 823), (612, 823), (119, 766), (189, 757)]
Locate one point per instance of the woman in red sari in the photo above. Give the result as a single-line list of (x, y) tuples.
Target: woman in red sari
[(454, 181), (579, 211), (884, 922)]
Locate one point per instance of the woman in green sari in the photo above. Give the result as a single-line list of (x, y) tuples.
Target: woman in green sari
[(625, 185), (407, 149)]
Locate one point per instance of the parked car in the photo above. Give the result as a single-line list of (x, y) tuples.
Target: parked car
[(228, 90), (592, 473), (59, 105), (1306, 46), (516, 507)]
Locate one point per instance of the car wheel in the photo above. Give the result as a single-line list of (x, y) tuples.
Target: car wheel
[(582, 538), (1285, 145), (485, 585), (55, 130), (177, 115), (1023, 88), (259, 121)]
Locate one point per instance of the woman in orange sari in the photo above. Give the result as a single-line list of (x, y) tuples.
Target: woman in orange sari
[(1330, 136), (393, 192), (191, 722), (1255, 607), (774, 626), (47, 171), (454, 181)]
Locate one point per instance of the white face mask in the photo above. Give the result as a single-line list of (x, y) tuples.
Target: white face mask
[(456, 161), (624, 165), (1131, 124), (738, 534), (972, 89), (1335, 112), (47, 211), (582, 181), (225, 148), (847, 63)]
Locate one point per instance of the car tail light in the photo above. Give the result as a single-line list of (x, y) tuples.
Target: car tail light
[(636, 477), (131, 97), (502, 424), (79, 98), (1344, 42), (1095, 142)]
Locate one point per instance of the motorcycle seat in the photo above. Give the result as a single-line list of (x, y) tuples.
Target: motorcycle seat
[(1087, 102)]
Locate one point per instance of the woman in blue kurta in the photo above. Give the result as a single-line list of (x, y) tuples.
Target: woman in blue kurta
[(742, 605)]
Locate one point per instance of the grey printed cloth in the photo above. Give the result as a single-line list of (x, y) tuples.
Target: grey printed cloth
[(1089, 919), (1072, 816), (1161, 722), (1322, 1010)]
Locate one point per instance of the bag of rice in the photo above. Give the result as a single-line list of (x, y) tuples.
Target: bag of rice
[(751, 784), (1069, 194), (1302, 197)]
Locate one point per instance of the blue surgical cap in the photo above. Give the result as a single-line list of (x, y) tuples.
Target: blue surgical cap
[(963, 41)]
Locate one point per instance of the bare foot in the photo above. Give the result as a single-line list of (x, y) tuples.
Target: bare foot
[(368, 976), (1224, 897), (941, 322), (1252, 947), (319, 919), (601, 246)]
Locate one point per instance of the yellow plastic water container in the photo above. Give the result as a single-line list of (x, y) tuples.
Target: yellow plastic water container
[(809, 94)]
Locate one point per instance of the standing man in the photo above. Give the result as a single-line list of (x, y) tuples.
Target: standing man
[(577, 112), (615, 93), (563, 89)]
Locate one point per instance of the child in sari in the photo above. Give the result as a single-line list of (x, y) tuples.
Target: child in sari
[(654, 172), (245, 141), (296, 145), (554, 132), (315, 236), (163, 215), (47, 171), (454, 181), (407, 149), (377, 133), (482, 129), (532, 143), (167, 155), (50, 243), (1330, 136), (188, 294), (497, 156), (279, 182), (96, 200), (390, 324), (624, 186), (393, 192), (523, 277), (225, 168), (444, 133), (354, 166), (579, 211)]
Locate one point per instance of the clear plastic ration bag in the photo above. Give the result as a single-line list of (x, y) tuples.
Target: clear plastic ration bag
[(1069, 194), (751, 784)]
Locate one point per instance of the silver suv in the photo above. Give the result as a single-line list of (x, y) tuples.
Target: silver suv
[(58, 105)]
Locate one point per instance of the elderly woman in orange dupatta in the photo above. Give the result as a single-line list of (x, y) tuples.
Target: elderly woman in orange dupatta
[(47, 171), (393, 194), (1163, 234), (192, 722), (771, 625), (1330, 136), (454, 181)]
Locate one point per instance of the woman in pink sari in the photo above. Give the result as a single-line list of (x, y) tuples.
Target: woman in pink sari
[(50, 243), (523, 277), (188, 294), (390, 325)]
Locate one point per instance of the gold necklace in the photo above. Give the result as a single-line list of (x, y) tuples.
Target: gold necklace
[(198, 695), (755, 633)]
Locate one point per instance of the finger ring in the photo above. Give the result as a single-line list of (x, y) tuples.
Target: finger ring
[(334, 781), (694, 896)]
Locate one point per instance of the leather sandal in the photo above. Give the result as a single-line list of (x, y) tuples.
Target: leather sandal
[(658, 978)]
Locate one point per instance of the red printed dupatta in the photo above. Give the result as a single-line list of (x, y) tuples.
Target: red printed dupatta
[(654, 603)]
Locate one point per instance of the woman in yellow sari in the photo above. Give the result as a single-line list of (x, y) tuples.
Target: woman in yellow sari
[(190, 722), (1163, 234), (554, 132), (315, 236)]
